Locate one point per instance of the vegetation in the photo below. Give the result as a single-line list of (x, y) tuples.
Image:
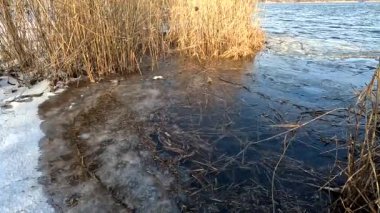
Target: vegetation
[(65, 38), (361, 191), (216, 28)]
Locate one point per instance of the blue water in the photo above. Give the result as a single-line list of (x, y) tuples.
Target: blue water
[(330, 31), (318, 54)]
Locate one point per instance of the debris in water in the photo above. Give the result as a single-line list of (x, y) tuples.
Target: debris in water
[(115, 81), (71, 105), (209, 80), (158, 77)]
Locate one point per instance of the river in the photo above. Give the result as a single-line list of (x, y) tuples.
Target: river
[(218, 136)]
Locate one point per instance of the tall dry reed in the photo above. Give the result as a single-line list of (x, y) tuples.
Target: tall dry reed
[(107, 36), (66, 38), (361, 192), (14, 34), (216, 28)]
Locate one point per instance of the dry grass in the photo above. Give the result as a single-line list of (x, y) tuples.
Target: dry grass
[(69, 37), (361, 191), (216, 28), (105, 36), (66, 38), (13, 33)]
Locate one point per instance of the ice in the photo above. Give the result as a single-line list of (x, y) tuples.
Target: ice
[(19, 150)]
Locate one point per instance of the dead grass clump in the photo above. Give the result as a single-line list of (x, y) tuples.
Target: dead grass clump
[(216, 28), (361, 191)]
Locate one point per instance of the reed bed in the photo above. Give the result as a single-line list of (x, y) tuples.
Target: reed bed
[(68, 38), (216, 28)]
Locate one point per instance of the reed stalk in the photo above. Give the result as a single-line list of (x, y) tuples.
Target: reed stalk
[(361, 191)]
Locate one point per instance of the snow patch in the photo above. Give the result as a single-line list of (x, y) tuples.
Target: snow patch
[(19, 150), (11, 90)]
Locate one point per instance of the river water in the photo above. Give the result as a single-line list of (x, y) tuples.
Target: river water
[(218, 137)]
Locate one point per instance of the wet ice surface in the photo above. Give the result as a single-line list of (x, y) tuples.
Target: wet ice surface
[(19, 150), (180, 143), (180, 139), (93, 158)]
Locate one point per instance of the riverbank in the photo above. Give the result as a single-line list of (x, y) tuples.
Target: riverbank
[(71, 39), (244, 135)]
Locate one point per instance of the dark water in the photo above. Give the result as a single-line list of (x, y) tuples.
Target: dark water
[(209, 129)]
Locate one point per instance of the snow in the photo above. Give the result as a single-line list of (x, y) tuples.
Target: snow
[(19, 149)]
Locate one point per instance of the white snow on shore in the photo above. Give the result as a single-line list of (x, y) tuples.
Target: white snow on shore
[(19, 150)]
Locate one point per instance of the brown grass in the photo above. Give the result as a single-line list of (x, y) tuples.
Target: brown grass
[(106, 36), (216, 28), (66, 38), (71, 36), (13, 33), (361, 192)]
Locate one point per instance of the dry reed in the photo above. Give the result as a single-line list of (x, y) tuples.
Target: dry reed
[(69, 37), (216, 28), (66, 38), (361, 192)]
